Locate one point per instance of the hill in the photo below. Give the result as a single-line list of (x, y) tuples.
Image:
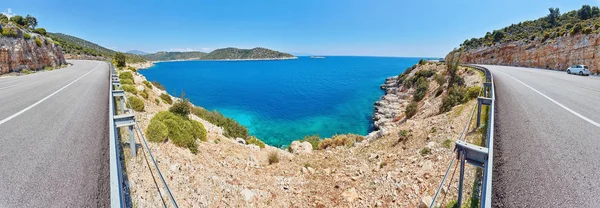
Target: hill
[(554, 42), (167, 56), (255, 53), (137, 52), (77, 47)]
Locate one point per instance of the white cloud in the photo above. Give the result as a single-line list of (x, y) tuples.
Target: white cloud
[(9, 13)]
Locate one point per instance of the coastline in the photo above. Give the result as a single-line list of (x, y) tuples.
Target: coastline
[(149, 64)]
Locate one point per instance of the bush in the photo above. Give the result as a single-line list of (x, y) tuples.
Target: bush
[(147, 84), (129, 88), (587, 30), (182, 132), (454, 97), (232, 129), (439, 79), (422, 88), (136, 103), (131, 68), (26, 71), (576, 29), (48, 68), (314, 140), (158, 85), (255, 141), (411, 110), (40, 31), (167, 98), (425, 151), (181, 107), (448, 143), (27, 36), (157, 131), (425, 73), (421, 62), (273, 157), (38, 42), (472, 93), (120, 59), (340, 140), (144, 95), (125, 75), (10, 32), (156, 101), (127, 81)]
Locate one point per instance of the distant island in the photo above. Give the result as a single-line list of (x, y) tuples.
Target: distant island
[(221, 54)]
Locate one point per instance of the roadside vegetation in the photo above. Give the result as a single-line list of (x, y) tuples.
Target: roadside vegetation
[(586, 20)]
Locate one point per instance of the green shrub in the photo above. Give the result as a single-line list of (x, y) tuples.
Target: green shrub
[(314, 140), (156, 101), (181, 107), (143, 94), (421, 62), (587, 30), (425, 73), (167, 98), (158, 85), (157, 131), (147, 84), (127, 81), (136, 103), (422, 88), (448, 143), (273, 157), (126, 75), (129, 88), (131, 68), (40, 31), (439, 79), (182, 132), (255, 141), (10, 32), (411, 110), (27, 36), (48, 68), (38, 42), (231, 128), (425, 151), (454, 97), (472, 93), (576, 29), (26, 71), (120, 59), (198, 130)]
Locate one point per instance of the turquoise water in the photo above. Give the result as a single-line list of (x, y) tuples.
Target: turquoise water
[(280, 101)]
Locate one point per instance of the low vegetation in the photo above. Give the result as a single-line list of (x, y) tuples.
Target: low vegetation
[(147, 84), (411, 110), (182, 132), (273, 157), (231, 128), (166, 98), (314, 140), (136, 103), (129, 88), (158, 85), (255, 141), (347, 140)]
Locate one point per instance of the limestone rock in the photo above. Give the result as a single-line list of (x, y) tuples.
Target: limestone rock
[(425, 202), (350, 195), (300, 147)]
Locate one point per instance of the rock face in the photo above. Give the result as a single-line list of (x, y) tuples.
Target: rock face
[(18, 53), (559, 53)]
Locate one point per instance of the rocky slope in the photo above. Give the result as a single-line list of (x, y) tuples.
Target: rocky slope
[(33, 53), (559, 53), (386, 169)]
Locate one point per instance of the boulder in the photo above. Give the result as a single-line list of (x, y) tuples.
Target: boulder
[(350, 194), (425, 202), (247, 194), (300, 147)]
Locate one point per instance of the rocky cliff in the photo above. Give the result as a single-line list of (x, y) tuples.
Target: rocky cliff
[(23, 50), (558, 53)]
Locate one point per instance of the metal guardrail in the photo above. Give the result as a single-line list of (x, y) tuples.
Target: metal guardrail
[(126, 120), (478, 156)]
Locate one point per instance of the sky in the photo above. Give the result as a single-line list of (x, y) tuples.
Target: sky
[(424, 28)]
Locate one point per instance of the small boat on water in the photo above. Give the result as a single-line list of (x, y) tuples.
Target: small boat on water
[(317, 57)]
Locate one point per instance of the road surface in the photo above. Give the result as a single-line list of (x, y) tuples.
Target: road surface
[(54, 138), (547, 139)]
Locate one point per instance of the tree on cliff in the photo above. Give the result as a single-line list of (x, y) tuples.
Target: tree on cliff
[(19, 20), (585, 12), (553, 16), (31, 21), (3, 18), (120, 59)]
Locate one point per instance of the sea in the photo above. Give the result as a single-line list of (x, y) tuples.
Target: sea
[(284, 100)]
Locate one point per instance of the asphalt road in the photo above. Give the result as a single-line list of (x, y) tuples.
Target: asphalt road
[(54, 138), (547, 139)]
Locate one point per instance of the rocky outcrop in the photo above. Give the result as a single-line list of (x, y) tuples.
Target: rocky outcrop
[(300, 147), (18, 53), (559, 53)]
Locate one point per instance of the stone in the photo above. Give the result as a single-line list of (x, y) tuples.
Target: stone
[(298, 147), (240, 140), (247, 194), (425, 202), (350, 195)]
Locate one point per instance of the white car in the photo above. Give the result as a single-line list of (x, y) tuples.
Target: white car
[(582, 70)]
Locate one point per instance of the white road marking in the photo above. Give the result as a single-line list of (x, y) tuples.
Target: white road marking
[(10, 86), (556, 102), (45, 98)]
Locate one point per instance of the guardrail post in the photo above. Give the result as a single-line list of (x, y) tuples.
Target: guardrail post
[(481, 101), (461, 156), (132, 141)]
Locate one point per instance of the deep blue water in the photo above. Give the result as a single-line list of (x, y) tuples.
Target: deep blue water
[(280, 101)]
